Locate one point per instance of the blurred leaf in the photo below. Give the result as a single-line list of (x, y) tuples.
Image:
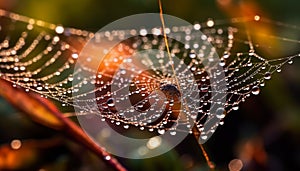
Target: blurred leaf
[(44, 112)]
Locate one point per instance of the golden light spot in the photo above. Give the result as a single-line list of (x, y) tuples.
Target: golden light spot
[(210, 23), (256, 17), (16, 144), (59, 29), (235, 165)]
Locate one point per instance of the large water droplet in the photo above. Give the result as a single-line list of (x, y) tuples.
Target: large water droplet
[(267, 75), (255, 90)]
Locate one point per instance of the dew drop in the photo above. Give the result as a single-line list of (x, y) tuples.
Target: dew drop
[(74, 55), (70, 78), (203, 137), (161, 131), (204, 88), (235, 106), (226, 55), (110, 102), (222, 62), (255, 90), (220, 113), (123, 71), (267, 75), (173, 132), (192, 55), (197, 26)]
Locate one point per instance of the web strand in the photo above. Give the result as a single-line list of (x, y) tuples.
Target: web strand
[(40, 57)]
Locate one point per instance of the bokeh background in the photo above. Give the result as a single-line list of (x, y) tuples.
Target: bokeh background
[(264, 132)]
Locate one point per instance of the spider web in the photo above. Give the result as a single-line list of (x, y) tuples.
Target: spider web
[(41, 57)]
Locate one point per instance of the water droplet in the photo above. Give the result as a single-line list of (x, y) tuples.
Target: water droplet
[(255, 90), (203, 137), (161, 131), (267, 75), (220, 113), (197, 26), (204, 88), (222, 62), (110, 102), (192, 54), (235, 106), (226, 55), (123, 71), (173, 132), (74, 55), (290, 61), (143, 32)]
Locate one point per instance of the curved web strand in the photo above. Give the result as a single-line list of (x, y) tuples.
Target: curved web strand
[(41, 56)]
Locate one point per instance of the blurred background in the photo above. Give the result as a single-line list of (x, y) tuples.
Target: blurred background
[(264, 133)]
